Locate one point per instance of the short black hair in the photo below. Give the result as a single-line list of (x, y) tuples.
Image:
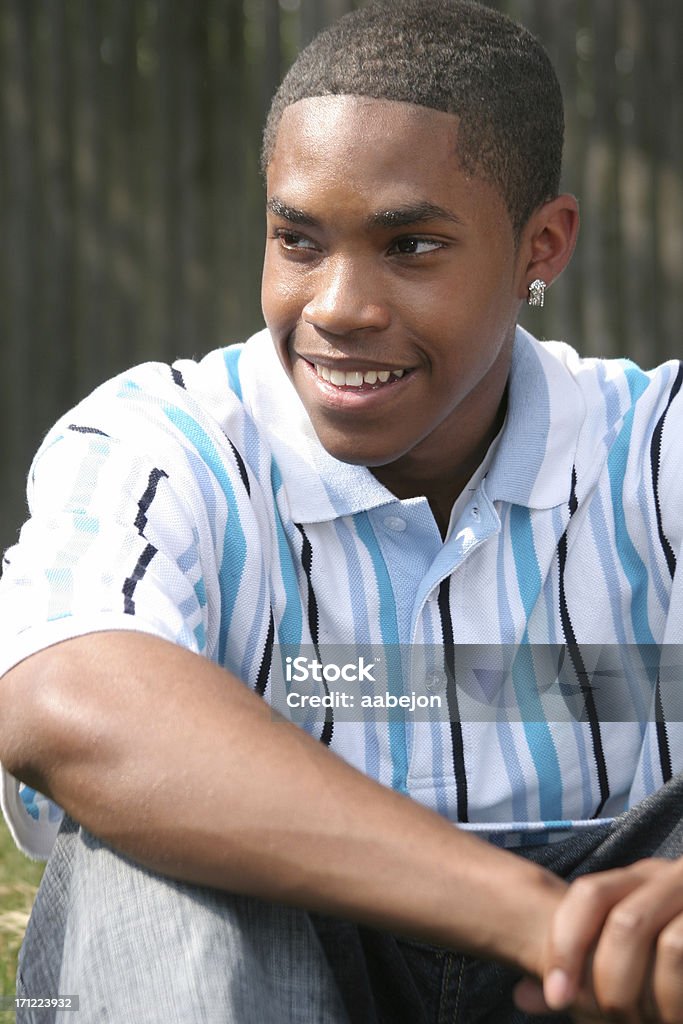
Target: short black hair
[(455, 56)]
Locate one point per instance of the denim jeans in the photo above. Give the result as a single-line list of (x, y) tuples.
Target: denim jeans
[(138, 948)]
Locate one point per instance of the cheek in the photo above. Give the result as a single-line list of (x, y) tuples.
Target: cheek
[(282, 295)]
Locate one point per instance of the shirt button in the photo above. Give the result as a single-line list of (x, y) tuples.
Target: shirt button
[(433, 596), (436, 681), (476, 514), (395, 523)]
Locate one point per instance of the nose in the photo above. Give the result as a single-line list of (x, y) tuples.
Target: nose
[(346, 297)]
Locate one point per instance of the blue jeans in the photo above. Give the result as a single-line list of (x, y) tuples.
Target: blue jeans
[(138, 948)]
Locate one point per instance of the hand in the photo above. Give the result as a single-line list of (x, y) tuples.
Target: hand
[(615, 948)]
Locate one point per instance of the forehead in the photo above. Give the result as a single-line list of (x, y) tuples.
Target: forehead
[(381, 151)]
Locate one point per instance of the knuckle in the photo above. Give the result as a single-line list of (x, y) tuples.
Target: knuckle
[(587, 887), (670, 945), (626, 920)]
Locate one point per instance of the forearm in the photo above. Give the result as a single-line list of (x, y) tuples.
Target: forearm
[(178, 765)]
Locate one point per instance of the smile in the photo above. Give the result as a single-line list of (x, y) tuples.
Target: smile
[(356, 378)]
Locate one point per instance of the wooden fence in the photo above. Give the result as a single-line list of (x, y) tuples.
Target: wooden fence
[(131, 203)]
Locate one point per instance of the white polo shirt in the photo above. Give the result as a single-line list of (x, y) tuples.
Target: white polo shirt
[(196, 503)]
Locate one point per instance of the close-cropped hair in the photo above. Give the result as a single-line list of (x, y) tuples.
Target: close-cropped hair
[(455, 56)]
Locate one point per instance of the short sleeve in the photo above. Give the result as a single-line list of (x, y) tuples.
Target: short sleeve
[(124, 523)]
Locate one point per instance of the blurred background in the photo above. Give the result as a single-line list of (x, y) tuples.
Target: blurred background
[(131, 206)]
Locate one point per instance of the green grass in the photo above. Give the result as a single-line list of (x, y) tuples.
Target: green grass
[(19, 879)]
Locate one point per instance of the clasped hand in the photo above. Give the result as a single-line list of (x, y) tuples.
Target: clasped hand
[(615, 948)]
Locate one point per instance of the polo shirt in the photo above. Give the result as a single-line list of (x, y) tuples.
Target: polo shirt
[(195, 502)]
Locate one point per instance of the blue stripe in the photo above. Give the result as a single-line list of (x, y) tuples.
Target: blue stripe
[(539, 738), (28, 797), (438, 777), (128, 387), (603, 545), (189, 558), (361, 631), (649, 757), (389, 629), (200, 592), (234, 541), (645, 495), (231, 358), (254, 640), (631, 562), (506, 738)]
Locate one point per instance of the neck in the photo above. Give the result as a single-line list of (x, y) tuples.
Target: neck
[(441, 480)]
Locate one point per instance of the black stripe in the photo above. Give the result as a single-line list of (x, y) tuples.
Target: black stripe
[(313, 625), (132, 581), (177, 377), (655, 458), (86, 430), (578, 663), (242, 468), (662, 736), (452, 697), (307, 563), (266, 659), (147, 498), (150, 551)]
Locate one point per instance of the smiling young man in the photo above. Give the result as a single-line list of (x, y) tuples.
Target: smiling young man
[(385, 266), (392, 462)]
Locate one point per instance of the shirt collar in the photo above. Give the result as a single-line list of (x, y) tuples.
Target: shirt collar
[(531, 465)]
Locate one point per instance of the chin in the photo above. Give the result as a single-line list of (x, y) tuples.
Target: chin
[(357, 449), (359, 457)]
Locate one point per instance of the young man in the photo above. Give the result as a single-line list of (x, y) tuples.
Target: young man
[(391, 463)]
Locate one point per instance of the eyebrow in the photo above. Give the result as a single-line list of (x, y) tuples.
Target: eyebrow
[(400, 216), (290, 213), (415, 213)]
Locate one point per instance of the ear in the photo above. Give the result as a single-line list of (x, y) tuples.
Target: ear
[(548, 241)]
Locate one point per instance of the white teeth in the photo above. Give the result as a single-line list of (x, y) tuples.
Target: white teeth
[(355, 379)]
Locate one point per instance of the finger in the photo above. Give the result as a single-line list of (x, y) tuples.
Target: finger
[(640, 937), (578, 922), (574, 930), (667, 982), (528, 996)]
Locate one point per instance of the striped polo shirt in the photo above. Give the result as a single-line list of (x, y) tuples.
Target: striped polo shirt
[(195, 502)]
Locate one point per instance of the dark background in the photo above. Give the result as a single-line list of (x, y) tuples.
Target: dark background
[(131, 207)]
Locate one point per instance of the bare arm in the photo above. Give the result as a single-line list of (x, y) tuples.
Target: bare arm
[(173, 761)]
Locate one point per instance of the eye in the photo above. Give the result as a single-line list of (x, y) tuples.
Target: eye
[(411, 246), (293, 241)]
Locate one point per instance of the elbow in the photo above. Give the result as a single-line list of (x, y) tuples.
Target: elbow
[(15, 742), (33, 737)]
